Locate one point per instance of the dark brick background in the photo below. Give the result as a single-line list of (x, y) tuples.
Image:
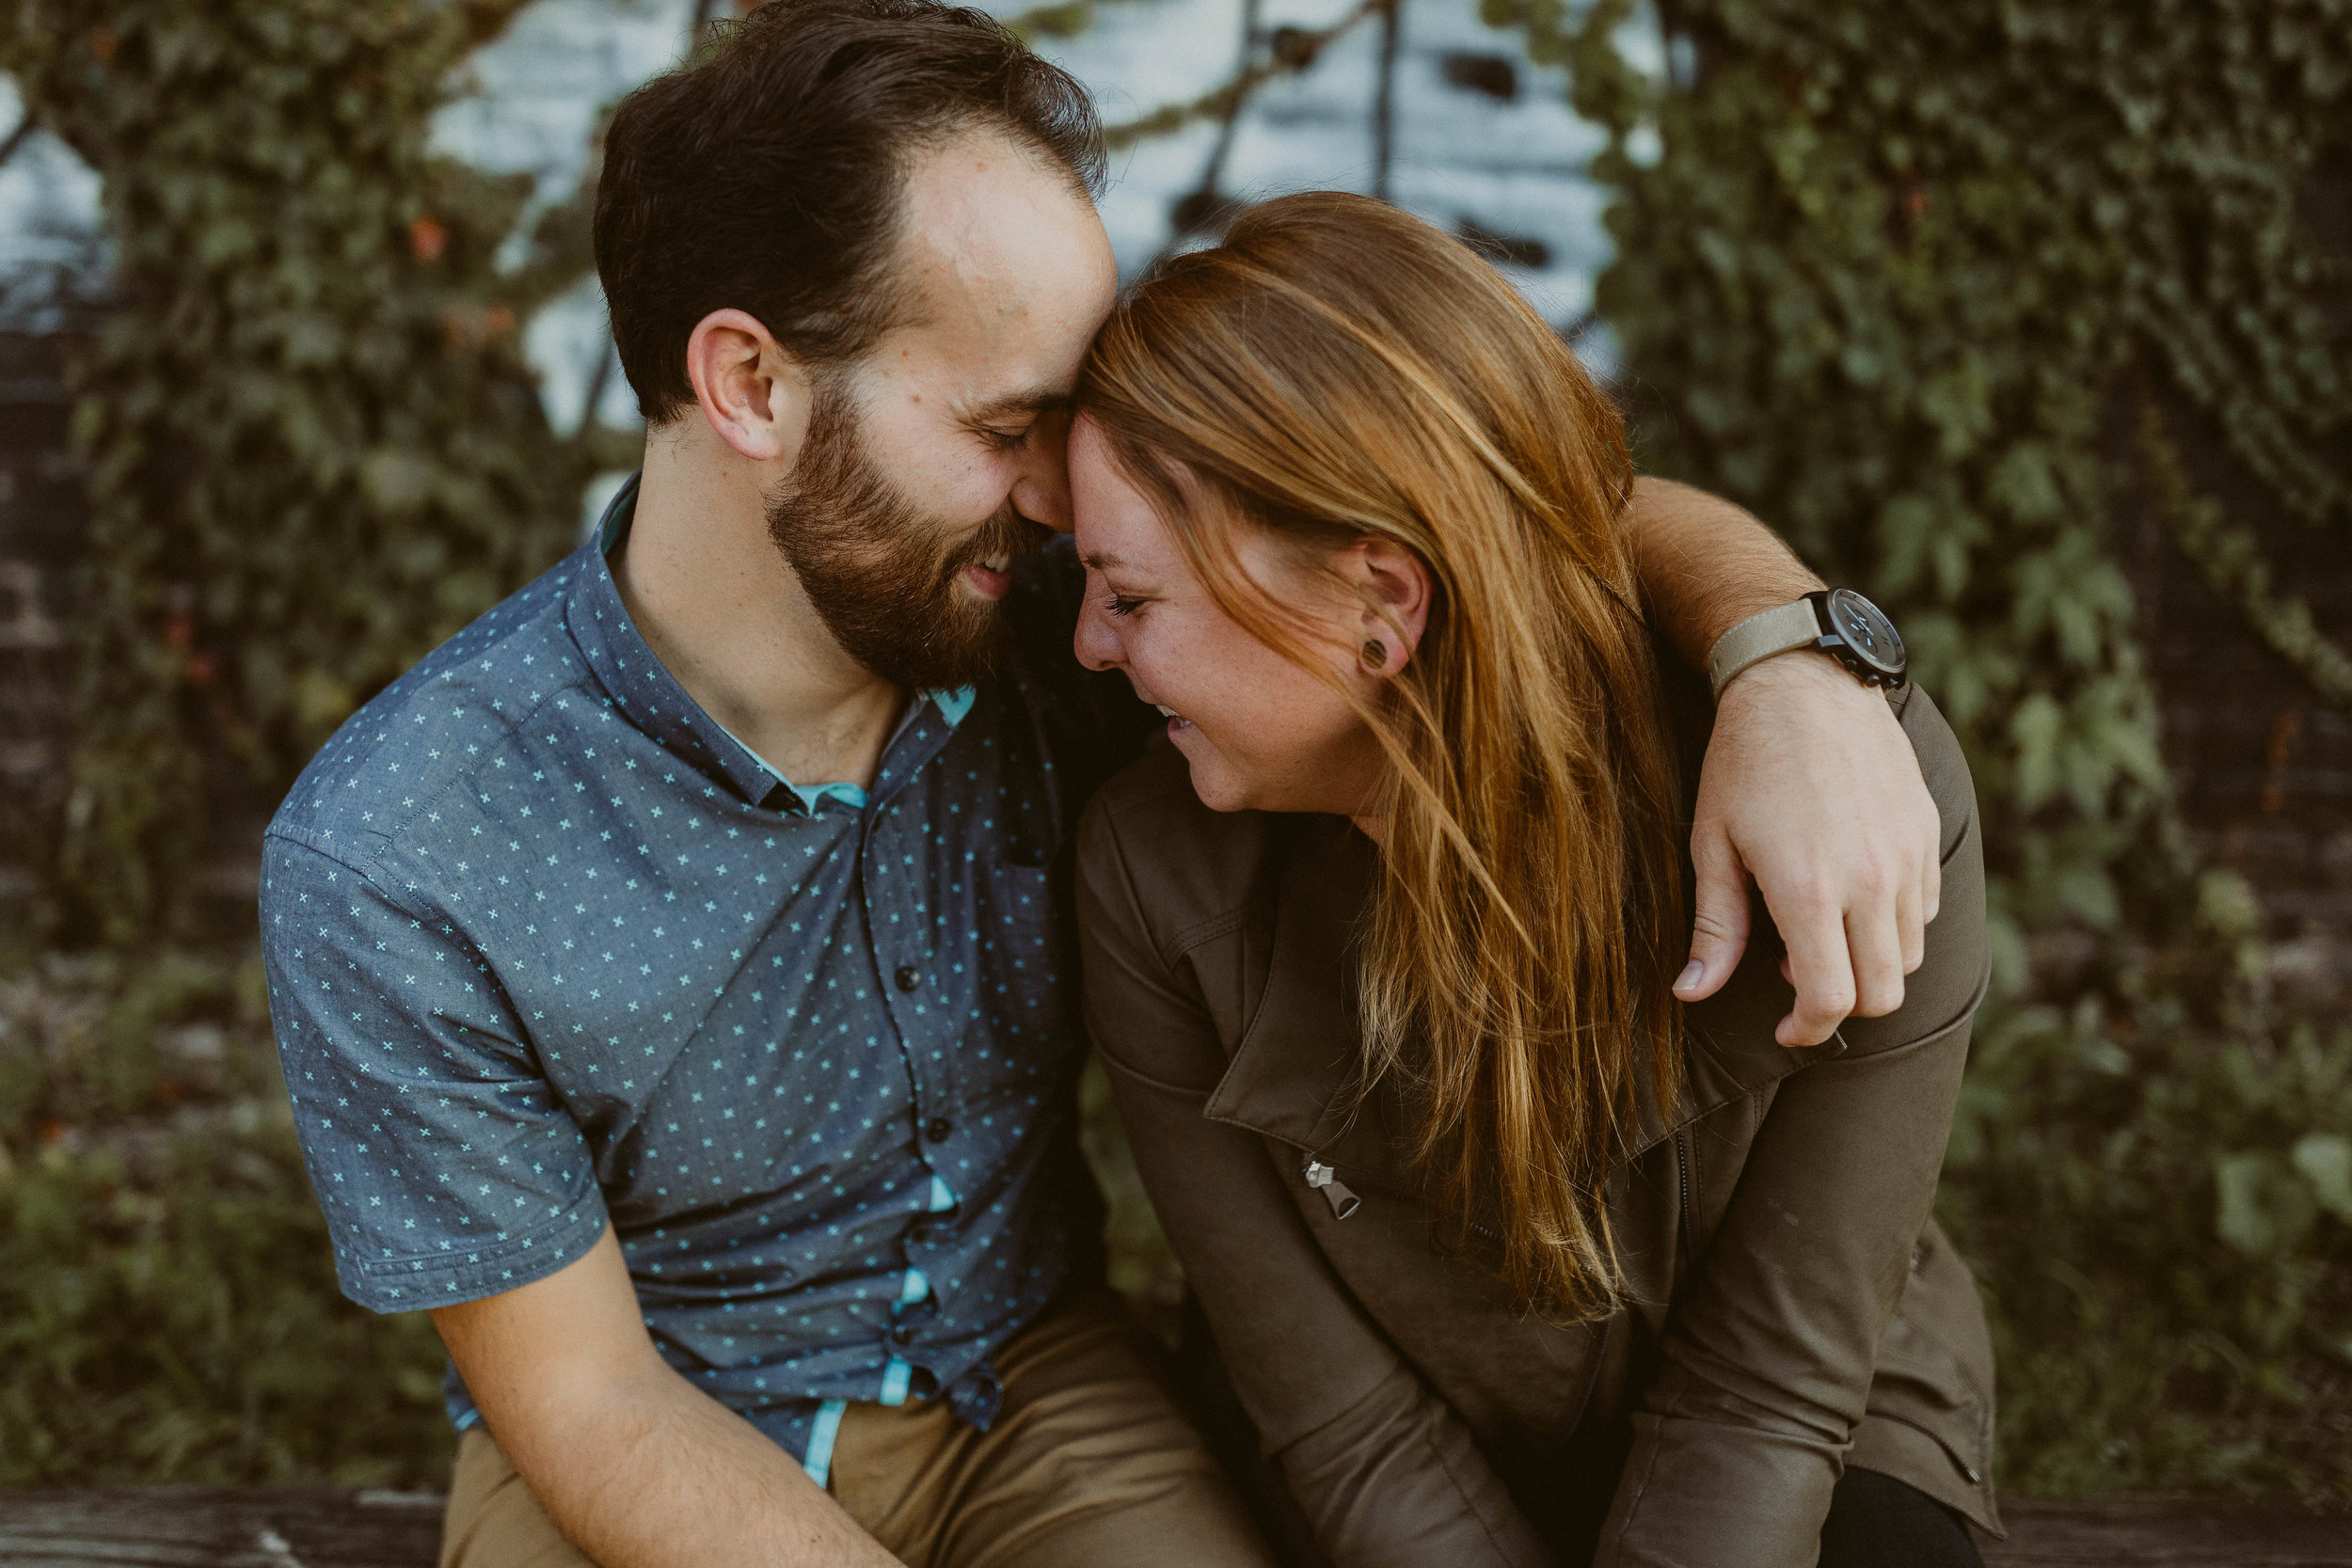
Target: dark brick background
[(2263, 766)]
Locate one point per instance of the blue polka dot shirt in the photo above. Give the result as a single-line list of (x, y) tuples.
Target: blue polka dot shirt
[(548, 950)]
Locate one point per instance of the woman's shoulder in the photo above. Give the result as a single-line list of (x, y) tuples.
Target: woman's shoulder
[(1944, 990), (1183, 866), (1942, 763)]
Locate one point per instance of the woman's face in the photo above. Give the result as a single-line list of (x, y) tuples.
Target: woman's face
[(1260, 733)]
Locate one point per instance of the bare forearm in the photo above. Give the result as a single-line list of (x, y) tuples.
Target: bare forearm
[(1705, 565), (635, 1464), (662, 1476)]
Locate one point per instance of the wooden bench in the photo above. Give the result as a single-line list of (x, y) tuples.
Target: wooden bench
[(2161, 1532), (183, 1526), (204, 1526)]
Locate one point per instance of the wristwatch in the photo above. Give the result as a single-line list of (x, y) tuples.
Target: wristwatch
[(1838, 621)]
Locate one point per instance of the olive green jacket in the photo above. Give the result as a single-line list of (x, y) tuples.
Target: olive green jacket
[(1794, 1308)]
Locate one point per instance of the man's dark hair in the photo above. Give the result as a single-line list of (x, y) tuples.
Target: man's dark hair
[(769, 177)]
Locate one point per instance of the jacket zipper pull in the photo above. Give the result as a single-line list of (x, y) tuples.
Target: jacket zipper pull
[(1335, 1192)]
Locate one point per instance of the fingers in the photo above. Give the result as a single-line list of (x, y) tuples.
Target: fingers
[(1840, 962), (1820, 966), (1811, 787), (1718, 926), (1910, 924), (1932, 880), (1874, 940), (1918, 896), (1850, 962)]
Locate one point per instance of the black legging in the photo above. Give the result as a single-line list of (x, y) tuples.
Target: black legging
[(1876, 1521)]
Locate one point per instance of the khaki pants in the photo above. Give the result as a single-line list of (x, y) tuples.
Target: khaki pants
[(1088, 1465)]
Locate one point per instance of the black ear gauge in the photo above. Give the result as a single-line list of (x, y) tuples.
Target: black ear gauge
[(1375, 652)]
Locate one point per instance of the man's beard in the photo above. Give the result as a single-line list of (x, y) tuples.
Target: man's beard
[(882, 574)]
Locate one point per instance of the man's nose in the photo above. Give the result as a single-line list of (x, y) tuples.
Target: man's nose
[(1095, 643), (1041, 494)]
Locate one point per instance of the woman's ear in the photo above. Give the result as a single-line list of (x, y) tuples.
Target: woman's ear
[(754, 396), (1396, 590)]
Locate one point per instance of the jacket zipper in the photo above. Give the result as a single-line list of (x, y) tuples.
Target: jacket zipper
[(1682, 1169), (1344, 1201), (1325, 1180)]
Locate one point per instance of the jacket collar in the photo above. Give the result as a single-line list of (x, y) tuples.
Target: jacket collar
[(1292, 1075)]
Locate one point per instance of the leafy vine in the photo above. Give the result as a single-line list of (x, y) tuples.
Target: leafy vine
[(2230, 558), (1293, 50), (1894, 274), (313, 447)]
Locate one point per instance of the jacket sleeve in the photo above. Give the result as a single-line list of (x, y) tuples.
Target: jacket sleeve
[(1768, 1357), (1382, 1467)]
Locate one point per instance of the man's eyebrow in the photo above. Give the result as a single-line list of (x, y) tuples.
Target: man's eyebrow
[(1016, 404)]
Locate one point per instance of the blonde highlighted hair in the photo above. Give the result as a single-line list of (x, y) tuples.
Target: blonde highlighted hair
[(1334, 370)]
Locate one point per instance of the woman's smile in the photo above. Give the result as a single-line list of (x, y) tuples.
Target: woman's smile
[(1259, 731)]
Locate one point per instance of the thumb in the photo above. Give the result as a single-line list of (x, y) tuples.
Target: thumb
[(1719, 929)]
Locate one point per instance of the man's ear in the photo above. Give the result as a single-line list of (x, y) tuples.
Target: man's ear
[(754, 394), (1397, 590)]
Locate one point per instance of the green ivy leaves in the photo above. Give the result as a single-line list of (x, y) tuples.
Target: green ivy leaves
[(314, 445), (1900, 279), (2269, 1201)]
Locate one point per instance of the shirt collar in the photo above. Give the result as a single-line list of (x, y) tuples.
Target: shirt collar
[(650, 697)]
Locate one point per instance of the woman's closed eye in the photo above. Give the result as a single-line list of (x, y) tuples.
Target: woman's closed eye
[(1123, 603)]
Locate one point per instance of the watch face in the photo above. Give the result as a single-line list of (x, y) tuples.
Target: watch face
[(1867, 631)]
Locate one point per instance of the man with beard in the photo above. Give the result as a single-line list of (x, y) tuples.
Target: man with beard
[(672, 971)]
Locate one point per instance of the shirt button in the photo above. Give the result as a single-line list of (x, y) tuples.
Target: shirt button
[(908, 977), (937, 1128), (903, 1334)]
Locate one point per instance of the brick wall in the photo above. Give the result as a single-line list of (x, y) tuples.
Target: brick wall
[(2264, 767)]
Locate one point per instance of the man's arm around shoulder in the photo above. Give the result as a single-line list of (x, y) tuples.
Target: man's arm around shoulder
[(636, 1465), (1810, 788)]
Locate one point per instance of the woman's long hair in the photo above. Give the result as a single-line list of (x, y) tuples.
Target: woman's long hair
[(1336, 369)]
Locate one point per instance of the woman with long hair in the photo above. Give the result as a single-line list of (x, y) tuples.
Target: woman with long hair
[(1512, 1258)]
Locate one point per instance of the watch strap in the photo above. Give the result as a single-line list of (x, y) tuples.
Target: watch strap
[(1780, 629)]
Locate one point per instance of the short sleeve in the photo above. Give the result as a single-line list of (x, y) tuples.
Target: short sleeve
[(448, 1168)]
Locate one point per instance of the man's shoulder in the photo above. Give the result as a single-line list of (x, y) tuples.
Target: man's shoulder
[(449, 716)]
